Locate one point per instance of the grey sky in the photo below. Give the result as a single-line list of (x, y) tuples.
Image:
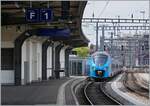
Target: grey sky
[(124, 9)]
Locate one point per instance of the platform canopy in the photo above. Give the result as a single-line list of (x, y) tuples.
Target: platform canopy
[(66, 15)]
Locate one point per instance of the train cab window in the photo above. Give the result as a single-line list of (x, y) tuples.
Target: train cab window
[(100, 59)]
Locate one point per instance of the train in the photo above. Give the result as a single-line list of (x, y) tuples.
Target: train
[(102, 66)]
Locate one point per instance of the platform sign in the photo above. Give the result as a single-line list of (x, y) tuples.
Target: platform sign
[(46, 15), (39, 15), (32, 15)]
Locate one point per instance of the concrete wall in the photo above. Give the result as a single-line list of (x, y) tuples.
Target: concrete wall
[(62, 61), (49, 62), (7, 76), (31, 66), (62, 58), (39, 59), (55, 45), (8, 35), (31, 56), (25, 62)]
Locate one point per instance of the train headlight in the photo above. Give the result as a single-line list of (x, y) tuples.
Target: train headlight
[(99, 73)]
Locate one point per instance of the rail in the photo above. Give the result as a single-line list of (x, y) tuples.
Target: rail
[(102, 88), (99, 96), (86, 94)]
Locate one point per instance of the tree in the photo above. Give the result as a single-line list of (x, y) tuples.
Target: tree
[(82, 51)]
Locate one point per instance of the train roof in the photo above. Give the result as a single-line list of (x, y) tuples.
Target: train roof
[(100, 52)]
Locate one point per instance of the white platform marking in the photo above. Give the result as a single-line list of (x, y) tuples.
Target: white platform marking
[(61, 93)]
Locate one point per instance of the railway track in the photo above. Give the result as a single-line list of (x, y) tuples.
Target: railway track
[(131, 84), (96, 95)]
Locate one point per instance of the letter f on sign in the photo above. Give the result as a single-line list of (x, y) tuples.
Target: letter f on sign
[(32, 14)]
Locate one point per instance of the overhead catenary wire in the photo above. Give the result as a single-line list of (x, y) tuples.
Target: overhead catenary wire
[(107, 2), (93, 9)]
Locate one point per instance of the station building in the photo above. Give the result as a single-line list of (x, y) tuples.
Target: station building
[(37, 51)]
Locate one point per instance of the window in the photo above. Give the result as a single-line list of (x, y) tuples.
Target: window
[(100, 60), (7, 58)]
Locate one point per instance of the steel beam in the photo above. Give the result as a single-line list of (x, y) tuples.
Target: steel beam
[(114, 20), (126, 27)]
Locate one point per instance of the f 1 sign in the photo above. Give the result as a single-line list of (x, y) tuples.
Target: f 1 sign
[(32, 15), (45, 15), (38, 15)]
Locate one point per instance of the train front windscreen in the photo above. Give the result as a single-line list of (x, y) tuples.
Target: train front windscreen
[(100, 59)]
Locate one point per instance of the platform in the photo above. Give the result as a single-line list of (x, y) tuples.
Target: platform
[(51, 92), (35, 93)]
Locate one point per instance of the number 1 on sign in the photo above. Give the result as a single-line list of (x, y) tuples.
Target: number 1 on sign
[(46, 15)]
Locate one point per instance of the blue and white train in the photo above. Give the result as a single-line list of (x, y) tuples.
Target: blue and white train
[(102, 66)]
